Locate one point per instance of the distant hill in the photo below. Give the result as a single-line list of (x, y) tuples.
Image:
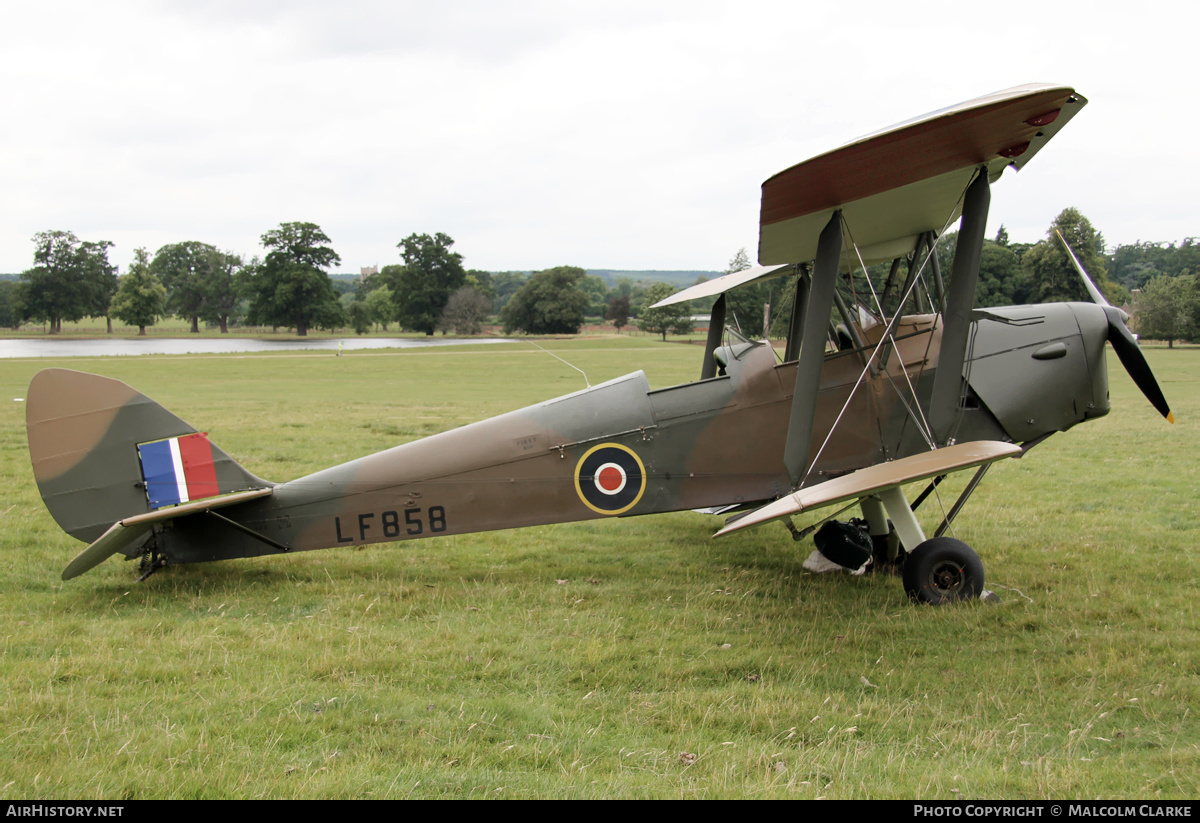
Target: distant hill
[(678, 279), (345, 283)]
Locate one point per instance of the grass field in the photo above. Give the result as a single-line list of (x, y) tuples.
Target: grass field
[(625, 658)]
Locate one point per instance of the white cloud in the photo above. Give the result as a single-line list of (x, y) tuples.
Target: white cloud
[(614, 135)]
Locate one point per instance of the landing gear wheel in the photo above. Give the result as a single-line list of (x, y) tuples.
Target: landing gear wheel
[(943, 570)]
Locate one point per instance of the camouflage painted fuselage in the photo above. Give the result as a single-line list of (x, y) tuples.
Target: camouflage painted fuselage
[(622, 449)]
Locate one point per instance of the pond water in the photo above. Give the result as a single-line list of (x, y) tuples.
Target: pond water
[(105, 347)]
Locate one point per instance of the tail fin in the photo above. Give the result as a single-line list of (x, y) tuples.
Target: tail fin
[(103, 452)]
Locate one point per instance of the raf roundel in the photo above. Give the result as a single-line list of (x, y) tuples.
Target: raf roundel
[(610, 478)]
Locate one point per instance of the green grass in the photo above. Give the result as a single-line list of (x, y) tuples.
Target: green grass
[(583, 660)]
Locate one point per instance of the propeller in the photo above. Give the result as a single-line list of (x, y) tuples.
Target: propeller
[(1123, 341)]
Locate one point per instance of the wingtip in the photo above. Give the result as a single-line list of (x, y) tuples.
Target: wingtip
[(80, 565)]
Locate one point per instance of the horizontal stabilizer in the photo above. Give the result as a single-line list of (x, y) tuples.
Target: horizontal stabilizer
[(128, 533), (874, 479)]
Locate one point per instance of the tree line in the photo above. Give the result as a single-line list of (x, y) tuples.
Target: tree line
[(1158, 283), (430, 290), (290, 287)]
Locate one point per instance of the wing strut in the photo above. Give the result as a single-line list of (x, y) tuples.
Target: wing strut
[(915, 267), (960, 299), (792, 350), (889, 284), (716, 327), (821, 288), (935, 267), (974, 482)]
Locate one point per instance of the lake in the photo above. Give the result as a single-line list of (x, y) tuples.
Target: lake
[(119, 347)]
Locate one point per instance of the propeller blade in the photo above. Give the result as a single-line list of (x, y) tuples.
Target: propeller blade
[(1097, 297), (1134, 361), (1123, 341)]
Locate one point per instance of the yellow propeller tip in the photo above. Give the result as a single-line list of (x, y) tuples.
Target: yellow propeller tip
[(1170, 417)]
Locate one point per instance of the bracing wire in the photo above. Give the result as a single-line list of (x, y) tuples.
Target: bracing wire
[(556, 357), (919, 419)]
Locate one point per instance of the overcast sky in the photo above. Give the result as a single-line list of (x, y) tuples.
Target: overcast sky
[(623, 135)]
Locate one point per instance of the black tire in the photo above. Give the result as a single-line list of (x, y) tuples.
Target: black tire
[(943, 570)]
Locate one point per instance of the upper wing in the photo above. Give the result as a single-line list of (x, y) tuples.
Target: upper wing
[(720, 285), (897, 183)]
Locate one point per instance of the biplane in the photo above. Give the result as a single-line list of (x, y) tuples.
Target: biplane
[(870, 394)]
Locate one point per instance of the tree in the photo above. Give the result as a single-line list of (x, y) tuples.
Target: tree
[(748, 304), (740, 261), (465, 311), (70, 279), (200, 282), (675, 319), (1052, 276), (381, 307), (181, 268), (291, 286), (593, 286), (329, 316), (1166, 309), (219, 287), (505, 284), (360, 316), (618, 312), (1135, 265), (140, 299), (552, 302), (12, 303), (1196, 304), (481, 281), (1001, 280), (100, 279), (422, 287)]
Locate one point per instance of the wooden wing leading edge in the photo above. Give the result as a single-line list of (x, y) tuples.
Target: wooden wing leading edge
[(895, 184)]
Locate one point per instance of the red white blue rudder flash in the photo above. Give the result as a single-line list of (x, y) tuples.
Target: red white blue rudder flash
[(178, 469)]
